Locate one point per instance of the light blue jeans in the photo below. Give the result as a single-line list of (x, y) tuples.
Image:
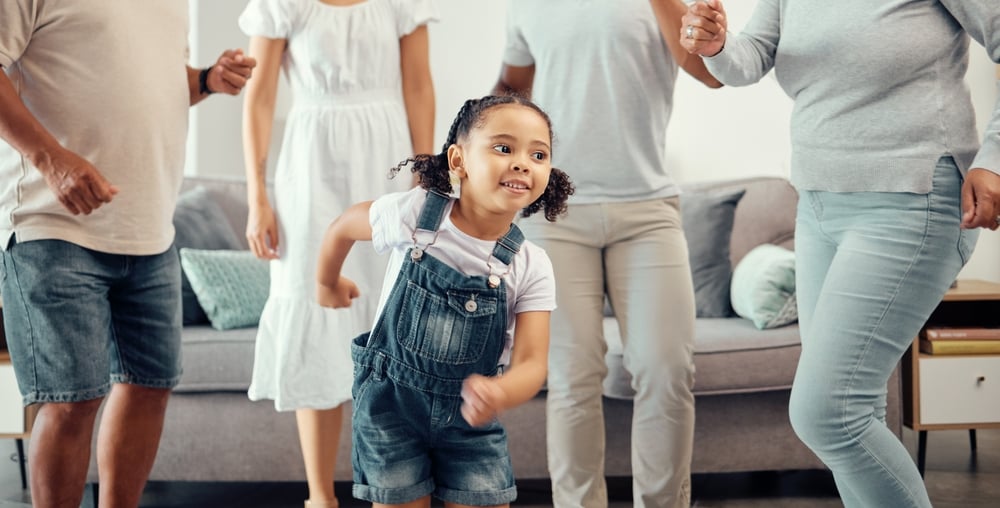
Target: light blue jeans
[(870, 269)]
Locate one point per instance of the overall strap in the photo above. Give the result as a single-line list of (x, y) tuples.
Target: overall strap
[(508, 245), (432, 213)]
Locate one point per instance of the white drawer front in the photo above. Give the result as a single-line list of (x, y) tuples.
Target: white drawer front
[(951, 390), (11, 409)]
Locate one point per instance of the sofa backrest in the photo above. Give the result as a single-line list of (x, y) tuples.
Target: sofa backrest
[(231, 195), (765, 214)]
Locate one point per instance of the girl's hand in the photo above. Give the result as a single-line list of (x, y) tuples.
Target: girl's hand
[(338, 296), (482, 399), (703, 28), (262, 232)]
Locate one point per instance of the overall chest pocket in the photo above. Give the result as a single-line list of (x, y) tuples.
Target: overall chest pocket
[(446, 329)]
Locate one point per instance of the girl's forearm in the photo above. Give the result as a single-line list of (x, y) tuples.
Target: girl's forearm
[(522, 382), (340, 236)]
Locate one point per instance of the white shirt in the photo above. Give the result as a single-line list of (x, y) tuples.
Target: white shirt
[(108, 79), (530, 283), (606, 79)]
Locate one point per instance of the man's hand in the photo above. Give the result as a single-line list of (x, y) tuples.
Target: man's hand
[(78, 185), (230, 73)]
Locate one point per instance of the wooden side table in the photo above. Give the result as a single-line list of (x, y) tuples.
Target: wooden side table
[(942, 392), (15, 420)]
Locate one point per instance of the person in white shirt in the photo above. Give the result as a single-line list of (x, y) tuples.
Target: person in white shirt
[(605, 70)]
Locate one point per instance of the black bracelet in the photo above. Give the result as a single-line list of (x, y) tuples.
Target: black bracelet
[(203, 81)]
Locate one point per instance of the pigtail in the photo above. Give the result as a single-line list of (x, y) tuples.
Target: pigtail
[(432, 170), (553, 200)]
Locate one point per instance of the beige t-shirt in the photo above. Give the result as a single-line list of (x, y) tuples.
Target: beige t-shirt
[(108, 80)]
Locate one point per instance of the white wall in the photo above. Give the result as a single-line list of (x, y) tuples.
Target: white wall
[(749, 133)]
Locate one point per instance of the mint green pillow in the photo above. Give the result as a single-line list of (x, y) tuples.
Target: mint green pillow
[(231, 285), (763, 287)]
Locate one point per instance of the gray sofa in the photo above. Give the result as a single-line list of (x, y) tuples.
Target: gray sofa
[(214, 433)]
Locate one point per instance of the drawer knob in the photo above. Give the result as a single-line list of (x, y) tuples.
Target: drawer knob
[(980, 379)]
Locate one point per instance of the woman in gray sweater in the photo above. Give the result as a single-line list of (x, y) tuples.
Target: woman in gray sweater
[(892, 183)]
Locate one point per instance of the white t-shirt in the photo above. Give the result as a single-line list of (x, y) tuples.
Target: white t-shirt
[(530, 283), (108, 80), (606, 79)]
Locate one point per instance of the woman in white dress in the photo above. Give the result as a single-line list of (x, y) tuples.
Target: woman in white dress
[(362, 101)]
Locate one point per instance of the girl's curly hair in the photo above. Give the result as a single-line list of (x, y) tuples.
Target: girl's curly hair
[(432, 170)]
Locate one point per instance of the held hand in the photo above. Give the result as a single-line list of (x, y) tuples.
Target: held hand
[(981, 199), (78, 185), (262, 232), (482, 399), (338, 296), (230, 73), (703, 28)]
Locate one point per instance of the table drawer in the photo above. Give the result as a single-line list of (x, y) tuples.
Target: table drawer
[(11, 409), (962, 389)]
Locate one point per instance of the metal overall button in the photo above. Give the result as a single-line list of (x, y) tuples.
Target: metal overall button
[(471, 305)]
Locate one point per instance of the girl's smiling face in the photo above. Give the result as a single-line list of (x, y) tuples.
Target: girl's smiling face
[(505, 161)]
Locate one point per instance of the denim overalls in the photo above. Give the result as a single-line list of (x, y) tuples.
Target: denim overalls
[(438, 327)]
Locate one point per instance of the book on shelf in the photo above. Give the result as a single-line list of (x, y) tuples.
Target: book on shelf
[(960, 347), (960, 333)]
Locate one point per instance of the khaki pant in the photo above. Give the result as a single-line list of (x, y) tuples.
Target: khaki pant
[(637, 254)]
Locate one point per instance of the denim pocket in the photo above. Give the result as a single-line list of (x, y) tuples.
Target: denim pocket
[(452, 329)]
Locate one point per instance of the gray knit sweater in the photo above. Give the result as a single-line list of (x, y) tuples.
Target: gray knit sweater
[(877, 86)]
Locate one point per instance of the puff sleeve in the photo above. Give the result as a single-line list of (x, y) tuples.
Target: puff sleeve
[(268, 18), (411, 14)]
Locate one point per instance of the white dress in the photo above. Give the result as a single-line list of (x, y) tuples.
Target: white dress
[(346, 128)]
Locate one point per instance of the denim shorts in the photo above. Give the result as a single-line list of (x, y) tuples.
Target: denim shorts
[(426, 447), (78, 320)]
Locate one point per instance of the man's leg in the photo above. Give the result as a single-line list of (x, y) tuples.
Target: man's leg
[(59, 453), (58, 323), (145, 365), (127, 441), (574, 406), (649, 283)]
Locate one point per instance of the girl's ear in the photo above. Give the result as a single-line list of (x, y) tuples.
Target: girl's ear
[(456, 161)]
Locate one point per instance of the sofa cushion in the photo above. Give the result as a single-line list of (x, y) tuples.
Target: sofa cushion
[(763, 288), (199, 223), (708, 224), (231, 285), (731, 356), (216, 360)]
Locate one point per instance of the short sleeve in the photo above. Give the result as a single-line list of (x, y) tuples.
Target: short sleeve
[(17, 24), (268, 18), (411, 14), (537, 290), (516, 52), (393, 218)]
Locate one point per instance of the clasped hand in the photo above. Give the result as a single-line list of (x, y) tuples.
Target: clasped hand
[(703, 28)]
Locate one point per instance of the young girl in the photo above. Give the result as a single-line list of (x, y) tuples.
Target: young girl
[(467, 298)]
